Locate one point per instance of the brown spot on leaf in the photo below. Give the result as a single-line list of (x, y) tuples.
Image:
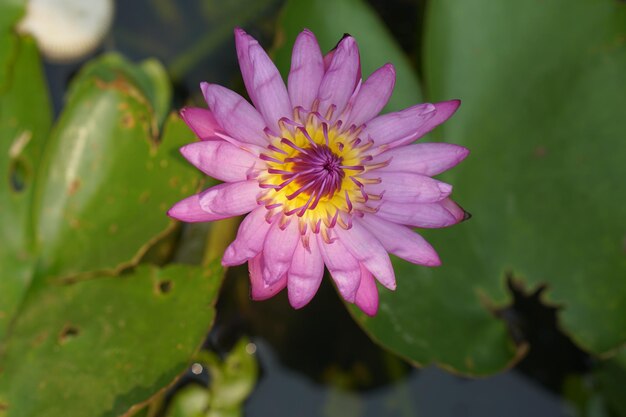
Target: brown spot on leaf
[(74, 186), (68, 333), (4, 406), (128, 121), (144, 197), (39, 339), (113, 228), (174, 181), (74, 223), (540, 152)]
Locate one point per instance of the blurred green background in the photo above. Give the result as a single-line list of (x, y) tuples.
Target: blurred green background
[(108, 308)]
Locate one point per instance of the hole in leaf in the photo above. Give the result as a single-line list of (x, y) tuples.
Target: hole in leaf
[(552, 356), (165, 286), (18, 175), (68, 333)]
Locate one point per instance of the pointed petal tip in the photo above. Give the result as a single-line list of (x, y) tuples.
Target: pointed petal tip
[(389, 67), (369, 310), (298, 301), (204, 87), (447, 108), (229, 258), (182, 211), (351, 298)]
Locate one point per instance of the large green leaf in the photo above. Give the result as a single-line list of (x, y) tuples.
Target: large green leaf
[(105, 168), (106, 177), (10, 12), (543, 86), (330, 20), (93, 348), (23, 132)]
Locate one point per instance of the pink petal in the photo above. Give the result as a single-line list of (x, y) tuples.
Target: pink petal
[(305, 274), (259, 289), (422, 158), (366, 248), (230, 199), (372, 96), (431, 215), (307, 70), (250, 238), (222, 160), (367, 294), (403, 127), (271, 97), (243, 41), (328, 59), (278, 250), (238, 118), (201, 121), (402, 187), (343, 267), (401, 241), (338, 82), (189, 210)]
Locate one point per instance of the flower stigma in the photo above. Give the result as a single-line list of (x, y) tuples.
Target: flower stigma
[(314, 172)]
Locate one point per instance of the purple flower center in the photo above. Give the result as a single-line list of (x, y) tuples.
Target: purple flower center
[(317, 171)]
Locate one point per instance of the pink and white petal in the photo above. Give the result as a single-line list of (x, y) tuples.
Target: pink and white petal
[(250, 238), (402, 187), (238, 118), (328, 58), (401, 241), (338, 82), (368, 250), (259, 289), (422, 158), (280, 244), (307, 70), (406, 126), (230, 199), (392, 127), (343, 267), (270, 94), (243, 41), (430, 215), (372, 96), (222, 160), (367, 294), (189, 210), (201, 121), (305, 274)]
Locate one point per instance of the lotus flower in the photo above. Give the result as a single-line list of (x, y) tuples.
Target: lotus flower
[(324, 179)]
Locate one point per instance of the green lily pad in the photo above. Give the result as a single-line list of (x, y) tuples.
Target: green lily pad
[(78, 208), (23, 133), (543, 86), (330, 20), (10, 12), (96, 347), (105, 168)]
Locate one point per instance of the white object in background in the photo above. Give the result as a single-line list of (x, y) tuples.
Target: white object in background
[(67, 30)]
